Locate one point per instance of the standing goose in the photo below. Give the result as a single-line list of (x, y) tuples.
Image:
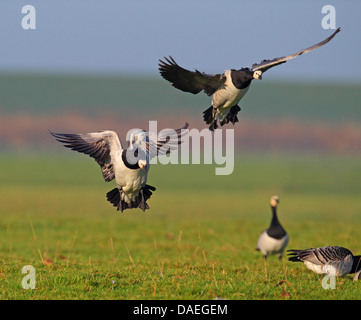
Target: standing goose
[(129, 167), (227, 88), (275, 239), (333, 260)]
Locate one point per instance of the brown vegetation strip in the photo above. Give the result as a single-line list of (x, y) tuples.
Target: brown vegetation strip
[(24, 131)]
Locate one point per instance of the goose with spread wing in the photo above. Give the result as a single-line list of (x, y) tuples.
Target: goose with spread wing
[(227, 88), (129, 167)]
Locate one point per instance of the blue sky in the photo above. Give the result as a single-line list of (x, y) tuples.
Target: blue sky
[(123, 37)]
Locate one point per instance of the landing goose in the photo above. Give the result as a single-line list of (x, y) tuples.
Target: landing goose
[(332, 260), (227, 88), (129, 167), (274, 239)]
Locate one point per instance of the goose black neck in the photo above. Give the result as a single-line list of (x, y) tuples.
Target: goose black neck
[(132, 166), (242, 78), (275, 229), (274, 220)]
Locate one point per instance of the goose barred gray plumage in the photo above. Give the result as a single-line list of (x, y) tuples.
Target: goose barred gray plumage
[(273, 240), (332, 260), (227, 88), (129, 167)]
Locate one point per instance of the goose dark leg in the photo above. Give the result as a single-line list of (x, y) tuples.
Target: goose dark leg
[(265, 266)]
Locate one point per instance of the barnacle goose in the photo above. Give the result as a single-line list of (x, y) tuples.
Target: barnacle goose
[(129, 167), (274, 239), (227, 88), (332, 260)]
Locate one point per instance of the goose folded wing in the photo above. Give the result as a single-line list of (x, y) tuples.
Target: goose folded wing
[(326, 255), (189, 81), (334, 253), (264, 65), (98, 145)]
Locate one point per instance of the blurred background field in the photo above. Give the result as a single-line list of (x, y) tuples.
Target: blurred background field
[(299, 137), (293, 116)]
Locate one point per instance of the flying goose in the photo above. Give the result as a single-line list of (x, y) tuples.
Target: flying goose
[(227, 88), (129, 167), (333, 260), (274, 239)]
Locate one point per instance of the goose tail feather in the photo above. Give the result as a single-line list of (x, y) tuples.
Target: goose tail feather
[(115, 198), (293, 255)]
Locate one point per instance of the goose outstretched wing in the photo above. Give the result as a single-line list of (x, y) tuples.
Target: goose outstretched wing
[(267, 64), (189, 81), (99, 145)]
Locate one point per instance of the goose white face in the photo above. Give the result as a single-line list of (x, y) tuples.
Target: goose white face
[(257, 75), (357, 276), (274, 201), (142, 164)]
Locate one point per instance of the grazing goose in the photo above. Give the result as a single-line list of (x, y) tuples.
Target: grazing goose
[(227, 88), (333, 260), (275, 239), (129, 167)]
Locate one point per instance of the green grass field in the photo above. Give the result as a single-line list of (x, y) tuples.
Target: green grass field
[(196, 242)]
